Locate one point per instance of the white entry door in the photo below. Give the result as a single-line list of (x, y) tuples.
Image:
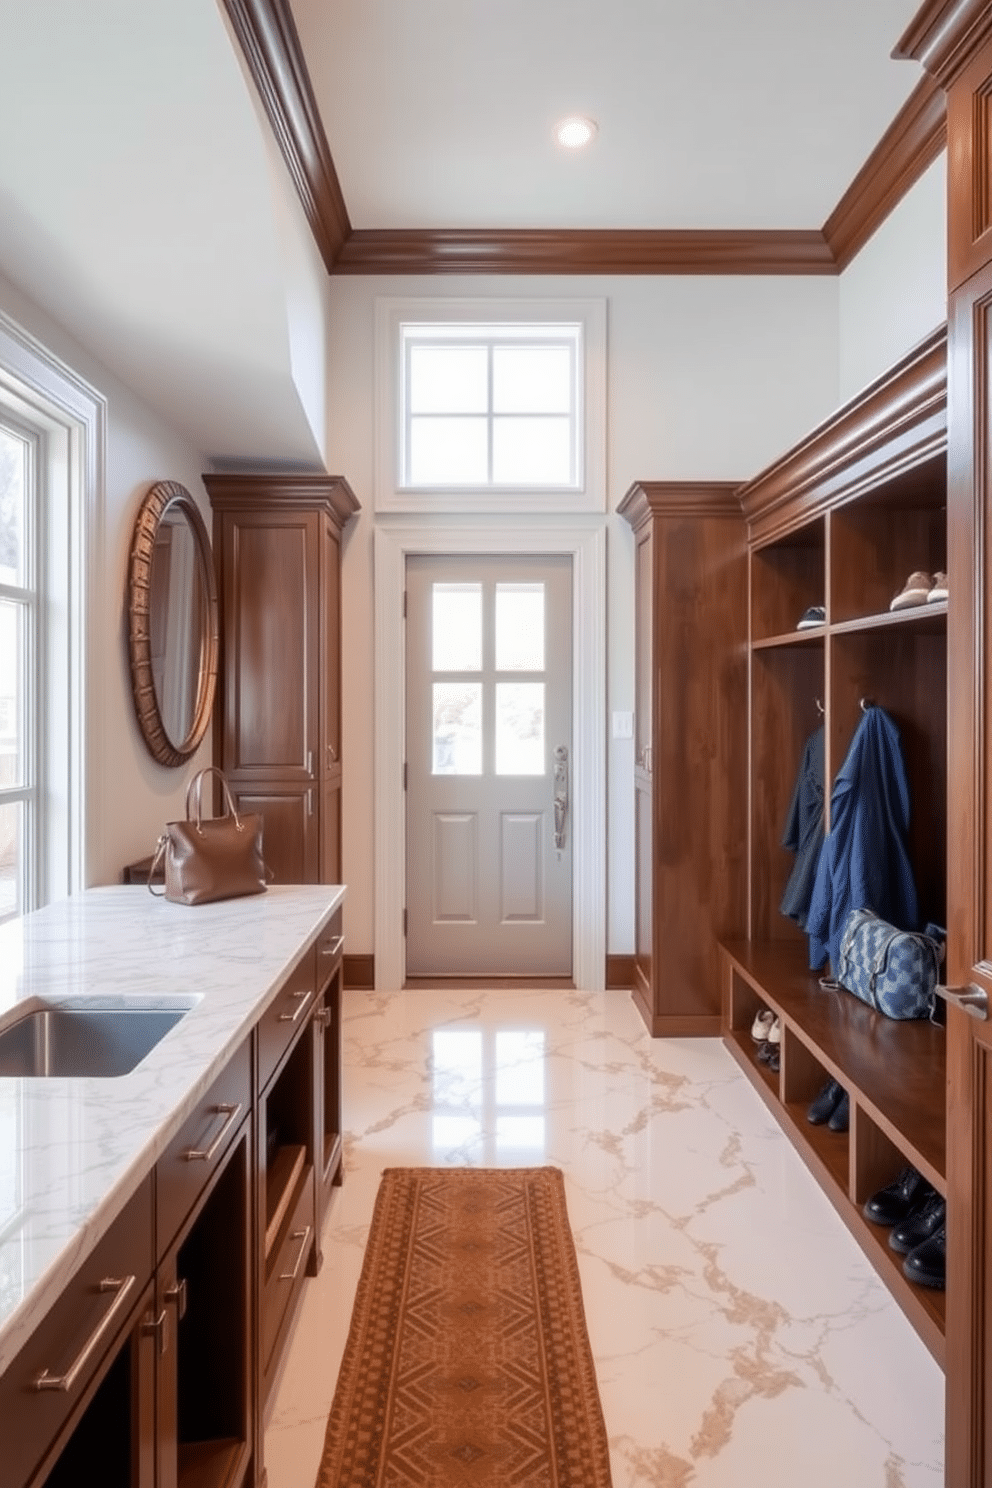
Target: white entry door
[(488, 748)]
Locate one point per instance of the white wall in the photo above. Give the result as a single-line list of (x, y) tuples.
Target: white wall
[(129, 796), (708, 378), (895, 292)]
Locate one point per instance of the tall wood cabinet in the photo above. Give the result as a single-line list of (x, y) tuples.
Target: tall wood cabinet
[(953, 40), (277, 539), (690, 711)]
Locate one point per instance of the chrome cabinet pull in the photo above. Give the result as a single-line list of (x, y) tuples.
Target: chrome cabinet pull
[(159, 1327), (177, 1294), (971, 999), (120, 1286), (560, 795), (206, 1154), (310, 763), (334, 947), (304, 1237), (302, 998)]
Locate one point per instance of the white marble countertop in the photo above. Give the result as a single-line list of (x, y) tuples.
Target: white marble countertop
[(73, 1151)]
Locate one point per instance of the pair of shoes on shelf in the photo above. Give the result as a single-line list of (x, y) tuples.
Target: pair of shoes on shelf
[(832, 1108), (918, 1216), (770, 1048), (921, 588), (814, 615)]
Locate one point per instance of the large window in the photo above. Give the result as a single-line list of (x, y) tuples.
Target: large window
[(19, 657), (491, 405)]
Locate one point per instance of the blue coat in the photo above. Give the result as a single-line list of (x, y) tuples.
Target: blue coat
[(803, 833), (864, 862)]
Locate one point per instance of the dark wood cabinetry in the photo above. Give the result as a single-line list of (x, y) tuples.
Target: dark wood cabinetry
[(278, 718), (841, 522), (157, 1359), (690, 746)]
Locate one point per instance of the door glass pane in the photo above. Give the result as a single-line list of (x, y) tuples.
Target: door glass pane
[(532, 451), (532, 379), (11, 855), (456, 628), (520, 728), (520, 627), (449, 379), (449, 451), (457, 728), (11, 694), (13, 460)]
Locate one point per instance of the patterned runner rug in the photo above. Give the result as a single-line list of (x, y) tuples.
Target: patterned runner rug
[(468, 1362)]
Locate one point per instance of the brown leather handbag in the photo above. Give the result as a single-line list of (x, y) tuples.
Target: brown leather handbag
[(216, 858)]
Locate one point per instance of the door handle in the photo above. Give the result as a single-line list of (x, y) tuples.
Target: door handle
[(971, 999), (560, 787)]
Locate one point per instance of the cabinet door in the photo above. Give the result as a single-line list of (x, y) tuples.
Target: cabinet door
[(330, 667), (290, 842), (969, 1039), (272, 646)]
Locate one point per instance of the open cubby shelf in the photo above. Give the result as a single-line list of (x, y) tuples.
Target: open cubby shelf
[(842, 521)]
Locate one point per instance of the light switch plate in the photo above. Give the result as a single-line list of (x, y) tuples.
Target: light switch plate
[(623, 725)]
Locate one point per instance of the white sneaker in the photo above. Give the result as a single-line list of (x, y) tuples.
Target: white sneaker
[(761, 1027)]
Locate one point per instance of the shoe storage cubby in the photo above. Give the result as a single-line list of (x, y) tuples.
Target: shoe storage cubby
[(841, 521)]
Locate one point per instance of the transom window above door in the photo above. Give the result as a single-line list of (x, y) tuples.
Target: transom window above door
[(491, 406)]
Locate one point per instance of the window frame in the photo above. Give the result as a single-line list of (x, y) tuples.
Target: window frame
[(397, 324)]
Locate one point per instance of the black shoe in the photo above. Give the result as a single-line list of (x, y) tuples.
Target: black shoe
[(775, 1059), (840, 1118), (826, 1103), (928, 1216), (927, 1264), (897, 1200)]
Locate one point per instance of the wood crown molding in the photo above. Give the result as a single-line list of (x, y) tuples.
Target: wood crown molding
[(694, 499), (896, 424), (912, 142), (330, 493), (582, 251), (270, 42), (944, 35)]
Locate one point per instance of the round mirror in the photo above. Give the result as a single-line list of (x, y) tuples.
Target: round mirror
[(172, 619)]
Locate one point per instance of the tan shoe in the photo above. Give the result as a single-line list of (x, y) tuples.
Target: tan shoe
[(915, 592), (939, 590)]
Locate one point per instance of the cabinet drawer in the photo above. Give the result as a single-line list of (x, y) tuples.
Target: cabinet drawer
[(279, 1026), (286, 1268), (197, 1151), (69, 1345), (330, 947)]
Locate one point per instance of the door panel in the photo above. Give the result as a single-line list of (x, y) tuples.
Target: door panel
[(489, 888), (969, 1040)]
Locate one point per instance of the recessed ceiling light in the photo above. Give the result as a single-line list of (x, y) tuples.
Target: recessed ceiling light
[(575, 131)]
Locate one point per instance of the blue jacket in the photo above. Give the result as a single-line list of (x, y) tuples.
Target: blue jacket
[(864, 862), (803, 833)]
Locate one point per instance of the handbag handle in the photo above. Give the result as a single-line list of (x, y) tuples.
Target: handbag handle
[(194, 791)]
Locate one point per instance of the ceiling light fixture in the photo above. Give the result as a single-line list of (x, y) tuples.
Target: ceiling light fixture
[(575, 131)]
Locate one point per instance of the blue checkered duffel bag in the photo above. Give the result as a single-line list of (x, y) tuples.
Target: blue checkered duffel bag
[(892, 970)]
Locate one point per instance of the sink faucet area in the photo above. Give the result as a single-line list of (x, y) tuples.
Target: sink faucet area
[(86, 1037)]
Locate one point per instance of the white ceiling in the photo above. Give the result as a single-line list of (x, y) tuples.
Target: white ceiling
[(711, 113), (142, 206)]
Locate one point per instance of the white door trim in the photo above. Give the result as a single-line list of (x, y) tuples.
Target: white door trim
[(585, 540)]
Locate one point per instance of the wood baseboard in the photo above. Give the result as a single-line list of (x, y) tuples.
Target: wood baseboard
[(359, 971), (619, 973)]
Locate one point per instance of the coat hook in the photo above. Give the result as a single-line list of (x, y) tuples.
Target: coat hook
[(819, 707), (865, 704)]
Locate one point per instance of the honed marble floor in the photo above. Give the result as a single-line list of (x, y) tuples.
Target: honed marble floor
[(740, 1336)]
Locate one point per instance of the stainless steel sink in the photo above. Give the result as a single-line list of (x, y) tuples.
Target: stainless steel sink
[(86, 1036)]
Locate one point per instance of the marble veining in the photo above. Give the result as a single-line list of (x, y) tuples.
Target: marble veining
[(73, 1151), (740, 1335)]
